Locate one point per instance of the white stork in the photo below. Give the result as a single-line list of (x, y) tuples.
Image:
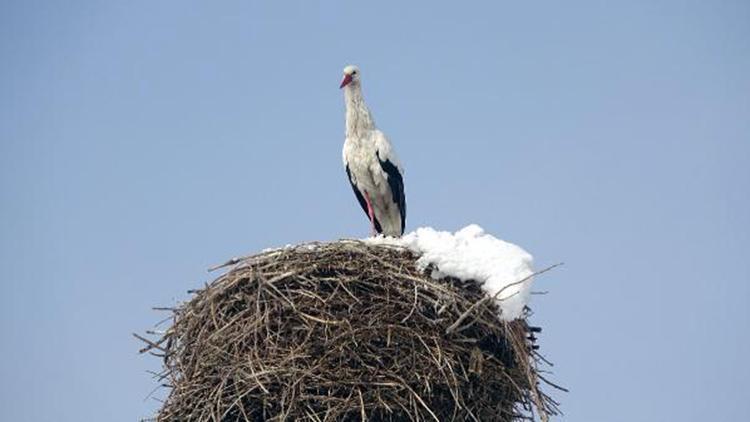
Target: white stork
[(371, 163)]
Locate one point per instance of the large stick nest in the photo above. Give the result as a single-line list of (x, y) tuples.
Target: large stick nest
[(345, 331)]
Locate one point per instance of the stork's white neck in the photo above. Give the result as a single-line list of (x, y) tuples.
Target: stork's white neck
[(358, 117)]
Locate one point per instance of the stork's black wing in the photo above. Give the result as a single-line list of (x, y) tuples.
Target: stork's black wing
[(396, 182), (361, 200)]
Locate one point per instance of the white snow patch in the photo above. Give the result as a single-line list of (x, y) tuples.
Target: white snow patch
[(472, 254), (280, 248)]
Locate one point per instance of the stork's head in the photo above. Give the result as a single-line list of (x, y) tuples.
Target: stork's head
[(351, 76)]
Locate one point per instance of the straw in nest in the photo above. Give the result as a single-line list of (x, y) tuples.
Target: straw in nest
[(345, 331)]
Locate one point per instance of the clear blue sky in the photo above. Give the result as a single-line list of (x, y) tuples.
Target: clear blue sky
[(143, 141)]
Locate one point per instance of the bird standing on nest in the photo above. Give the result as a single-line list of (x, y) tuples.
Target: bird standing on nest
[(374, 171)]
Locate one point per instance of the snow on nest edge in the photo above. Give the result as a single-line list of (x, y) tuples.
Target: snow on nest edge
[(472, 254)]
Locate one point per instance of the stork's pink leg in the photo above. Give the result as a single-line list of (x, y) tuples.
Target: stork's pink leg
[(371, 214)]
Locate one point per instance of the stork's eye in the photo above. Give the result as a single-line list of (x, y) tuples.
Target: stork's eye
[(354, 72)]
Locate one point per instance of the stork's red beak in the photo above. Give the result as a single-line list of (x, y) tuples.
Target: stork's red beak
[(347, 79)]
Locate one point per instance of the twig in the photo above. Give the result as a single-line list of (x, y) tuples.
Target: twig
[(416, 296), (486, 299), (151, 344)]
